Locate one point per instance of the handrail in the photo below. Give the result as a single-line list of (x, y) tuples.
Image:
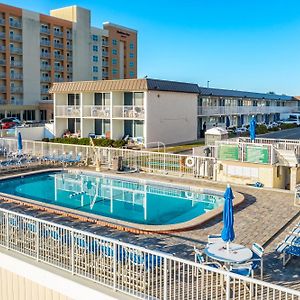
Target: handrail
[(117, 264)]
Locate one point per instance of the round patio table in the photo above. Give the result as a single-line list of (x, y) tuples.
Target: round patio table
[(236, 253)]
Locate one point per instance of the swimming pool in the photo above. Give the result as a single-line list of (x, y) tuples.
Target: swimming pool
[(140, 202)]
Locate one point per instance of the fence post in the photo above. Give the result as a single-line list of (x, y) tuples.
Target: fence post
[(72, 252), (37, 240), (7, 231), (227, 287), (115, 267), (165, 296)]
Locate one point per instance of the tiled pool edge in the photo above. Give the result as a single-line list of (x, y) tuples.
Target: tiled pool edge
[(114, 223)]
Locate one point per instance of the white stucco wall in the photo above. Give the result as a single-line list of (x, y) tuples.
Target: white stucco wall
[(170, 117), (31, 54)]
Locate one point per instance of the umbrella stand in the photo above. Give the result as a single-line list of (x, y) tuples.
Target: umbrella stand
[(227, 246)]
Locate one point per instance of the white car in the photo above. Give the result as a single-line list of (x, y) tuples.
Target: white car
[(241, 130)]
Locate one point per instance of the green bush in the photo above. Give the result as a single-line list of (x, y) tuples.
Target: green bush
[(86, 141), (261, 129), (45, 140), (274, 129), (288, 126)]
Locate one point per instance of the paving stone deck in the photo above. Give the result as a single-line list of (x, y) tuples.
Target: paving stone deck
[(265, 217)]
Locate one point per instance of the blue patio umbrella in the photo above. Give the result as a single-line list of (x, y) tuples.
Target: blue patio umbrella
[(228, 220), (252, 128), (20, 144), (227, 122)]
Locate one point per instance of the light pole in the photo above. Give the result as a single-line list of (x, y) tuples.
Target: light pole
[(208, 83)]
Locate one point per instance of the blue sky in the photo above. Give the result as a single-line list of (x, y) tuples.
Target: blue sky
[(248, 45)]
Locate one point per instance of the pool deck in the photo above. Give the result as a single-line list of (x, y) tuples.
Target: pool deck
[(265, 217)]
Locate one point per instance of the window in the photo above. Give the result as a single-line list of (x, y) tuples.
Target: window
[(95, 38), (95, 77), (43, 115), (73, 99), (95, 69), (131, 55), (131, 46), (131, 74), (95, 58), (139, 98), (131, 64), (114, 42), (95, 48), (114, 51), (114, 61), (115, 71), (29, 115)]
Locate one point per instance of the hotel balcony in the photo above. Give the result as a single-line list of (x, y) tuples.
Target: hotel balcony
[(16, 64), (105, 53), (2, 35), (104, 64), (2, 62), (70, 70), (105, 43), (2, 21), (69, 36), (67, 111), (46, 67), (69, 47), (16, 50), (105, 74), (58, 56), (2, 89), (58, 33), (16, 76), (15, 37), (58, 79), (2, 49), (44, 91), (45, 43), (2, 75), (16, 89), (96, 111), (45, 79), (58, 45), (45, 30), (59, 68), (69, 58), (129, 112), (16, 101), (14, 23), (245, 110), (45, 55)]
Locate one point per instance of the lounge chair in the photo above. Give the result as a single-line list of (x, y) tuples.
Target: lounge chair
[(214, 238), (245, 269), (257, 258), (289, 251)]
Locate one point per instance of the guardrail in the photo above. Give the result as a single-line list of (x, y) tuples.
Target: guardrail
[(297, 195), (127, 268), (151, 162)]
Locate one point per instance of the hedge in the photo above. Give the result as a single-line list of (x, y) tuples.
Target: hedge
[(86, 141)]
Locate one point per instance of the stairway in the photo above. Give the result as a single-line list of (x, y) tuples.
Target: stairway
[(287, 158)]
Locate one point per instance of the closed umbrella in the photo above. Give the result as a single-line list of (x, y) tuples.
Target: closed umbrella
[(20, 144), (252, 129), (227, 122), (228, 220)]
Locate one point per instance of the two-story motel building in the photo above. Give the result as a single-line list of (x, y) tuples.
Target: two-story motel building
[(157, 110)]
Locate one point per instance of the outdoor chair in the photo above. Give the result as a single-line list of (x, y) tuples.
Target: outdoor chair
[(244, 269), (214, 238), (288, 250), (257, 258)]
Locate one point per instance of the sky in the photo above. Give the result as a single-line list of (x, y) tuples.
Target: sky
[(251, 45)]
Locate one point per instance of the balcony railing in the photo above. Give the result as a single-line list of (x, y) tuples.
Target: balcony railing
[(67, 111), (45, 30), (58, 79), (16, 64), (45, 79), (2, 62), (45, 42), (69, 58), (15, 37), (69, 47), (45, 55), (104, 64), (44, 91), (104, 74), (14, 23), (58, 56), (96, 111), (16, 101), (58, 45), (105, 43), (105, 53), (58, 33), (45, 67), (15, 50), (70, 70), (2, 21), (129, 112), (59, 68), (2, 88), (2, 35), (16, 76), (16, 89), (2, 49), (69, 36), (231, 110), (2, 75)]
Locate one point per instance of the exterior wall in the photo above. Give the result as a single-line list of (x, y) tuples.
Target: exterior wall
[(171, 117), (31, 53)]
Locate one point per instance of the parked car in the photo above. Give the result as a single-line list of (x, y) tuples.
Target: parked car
[(241, 130), (10, 122)]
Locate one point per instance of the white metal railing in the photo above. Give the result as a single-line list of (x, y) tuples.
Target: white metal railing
[(67, 111), (147, 161), (228, 110), (128, 111), (127, 268), (96, 111)]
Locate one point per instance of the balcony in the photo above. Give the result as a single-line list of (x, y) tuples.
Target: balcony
[(69, 58), (104, 74), (58, 56), (59, 68), (16, 101), (58, 45), (2, 35), (15, 23), (15, 50), (2, 49), (45, 55), (16, 76), (58, 79), (105, 43), (45, 67), (2, 62), (70, 70), (96, 111), (2, 75), (45, 30), (16, 89), (67, 111), (45, 79), (2, 89), (44, 91), (104, 64), (16, 64), (15, 37), (238, 110), (69, 36), (129, 112), (70, 47), (2, 21), (45, 43), (105, 53), (58, 33)]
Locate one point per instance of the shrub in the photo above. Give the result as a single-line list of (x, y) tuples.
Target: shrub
[(288, 125), (45, 140), (261, 129)]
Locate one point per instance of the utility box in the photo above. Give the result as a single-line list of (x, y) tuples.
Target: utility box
[(215, 134)]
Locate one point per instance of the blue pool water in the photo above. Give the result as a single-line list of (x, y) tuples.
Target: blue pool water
[(132, 201)]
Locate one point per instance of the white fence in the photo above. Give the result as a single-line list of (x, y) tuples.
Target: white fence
[(127, 268), (147, 161)]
